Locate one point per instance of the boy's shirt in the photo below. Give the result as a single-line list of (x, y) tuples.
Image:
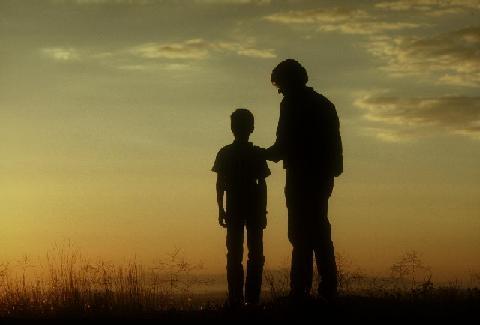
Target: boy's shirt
[(241, 165)]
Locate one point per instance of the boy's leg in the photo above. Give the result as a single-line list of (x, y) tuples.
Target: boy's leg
[(234, 263), (255, 263)]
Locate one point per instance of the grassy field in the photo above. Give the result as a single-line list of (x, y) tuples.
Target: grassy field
[(67, 288), (348, 308)]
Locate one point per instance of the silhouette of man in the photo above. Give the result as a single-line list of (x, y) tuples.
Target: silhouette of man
[(241, 171), (308, 141)]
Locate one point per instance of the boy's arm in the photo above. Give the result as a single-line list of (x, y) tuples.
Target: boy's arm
[(222, 216), (262, 188)]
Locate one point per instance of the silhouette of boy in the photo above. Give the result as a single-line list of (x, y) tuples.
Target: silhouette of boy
[(241, 171)]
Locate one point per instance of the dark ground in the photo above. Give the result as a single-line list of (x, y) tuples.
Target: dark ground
[(347, 309)]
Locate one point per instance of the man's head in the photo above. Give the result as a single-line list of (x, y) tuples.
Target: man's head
[(289, 75), (242, 123)]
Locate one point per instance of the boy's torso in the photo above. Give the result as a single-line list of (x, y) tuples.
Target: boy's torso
[(241, 165)]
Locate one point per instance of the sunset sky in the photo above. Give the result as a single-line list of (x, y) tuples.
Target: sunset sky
[(112, 111)]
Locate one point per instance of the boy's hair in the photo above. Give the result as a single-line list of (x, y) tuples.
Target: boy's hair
[(242, 122)]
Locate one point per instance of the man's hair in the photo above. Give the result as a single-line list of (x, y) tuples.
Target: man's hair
[(289, 73), (242, 121)]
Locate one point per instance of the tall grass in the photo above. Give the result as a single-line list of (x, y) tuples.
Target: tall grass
[(409, 278), (66, 282)]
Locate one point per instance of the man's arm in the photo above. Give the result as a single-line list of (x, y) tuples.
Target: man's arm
[(337, 145), (222, 215), (275, 152)]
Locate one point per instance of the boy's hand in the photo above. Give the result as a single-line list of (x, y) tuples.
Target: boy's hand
[(222, 218)]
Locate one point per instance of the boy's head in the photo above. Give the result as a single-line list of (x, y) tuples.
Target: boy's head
[(242, 122)]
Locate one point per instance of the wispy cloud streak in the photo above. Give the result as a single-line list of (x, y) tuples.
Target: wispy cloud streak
[(398, 117), (430, 7), (451, 58), (342, 20), (164, 55)]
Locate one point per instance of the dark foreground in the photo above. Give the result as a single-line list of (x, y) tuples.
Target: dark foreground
[(347, 309)]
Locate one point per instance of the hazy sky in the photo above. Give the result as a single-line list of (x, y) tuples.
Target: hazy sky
[(112, 111)]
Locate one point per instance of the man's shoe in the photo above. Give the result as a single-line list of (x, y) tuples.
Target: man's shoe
[(328, 296), (299, 299), (233, 304)]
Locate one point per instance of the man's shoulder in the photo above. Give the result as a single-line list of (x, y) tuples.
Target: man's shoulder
[(324, 104), (320, 98)]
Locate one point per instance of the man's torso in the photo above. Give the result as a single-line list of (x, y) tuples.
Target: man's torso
[(309, 125)]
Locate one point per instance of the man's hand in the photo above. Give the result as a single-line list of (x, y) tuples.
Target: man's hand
[(222, 218), (270, 154)]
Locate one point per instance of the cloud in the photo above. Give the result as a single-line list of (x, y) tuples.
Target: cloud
[(191, 49), (159, 55), (197, 49), (391, 135), (244, 50), (343, 20), (256, 2), (402, 118), (256, 53), (430, 7), (61, 53), (103, 2), (450, 58), (325, 15), (147, 2), (154, 67)]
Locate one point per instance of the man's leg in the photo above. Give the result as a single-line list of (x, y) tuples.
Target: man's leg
[(301, 270), (234, 263), (302, 256), (302, 253), (325, 253), (255, 264)]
